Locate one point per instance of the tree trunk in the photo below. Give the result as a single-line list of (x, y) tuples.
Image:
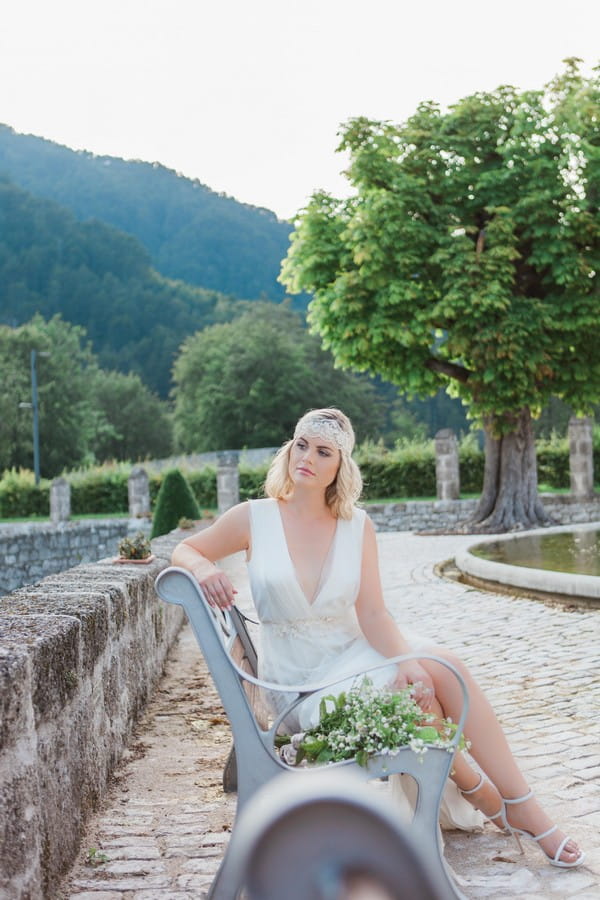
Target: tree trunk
[(509, 500)]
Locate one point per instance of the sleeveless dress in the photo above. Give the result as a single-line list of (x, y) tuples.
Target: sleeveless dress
[(318, 642)]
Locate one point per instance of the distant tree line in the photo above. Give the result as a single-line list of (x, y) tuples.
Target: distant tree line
[(96, 277), (100, 278), (190, 232), (238, 384), (140, 365)]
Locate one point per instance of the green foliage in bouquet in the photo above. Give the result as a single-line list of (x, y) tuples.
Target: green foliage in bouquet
[(366, 721)]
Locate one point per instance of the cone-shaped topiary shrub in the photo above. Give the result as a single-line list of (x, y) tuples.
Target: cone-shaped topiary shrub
[(175, 501)]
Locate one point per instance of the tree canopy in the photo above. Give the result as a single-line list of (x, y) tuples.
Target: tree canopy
[(98, 277), (67, 421), (85, 415), (136, 423), (467, 257), (245, 383)]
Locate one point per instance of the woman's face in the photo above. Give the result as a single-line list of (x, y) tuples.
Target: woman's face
[(314, 462)]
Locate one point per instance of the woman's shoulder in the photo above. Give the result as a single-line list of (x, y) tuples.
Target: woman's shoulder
[(262, 503), (359, 515), (261, 508), (356, 524), (363, 523)]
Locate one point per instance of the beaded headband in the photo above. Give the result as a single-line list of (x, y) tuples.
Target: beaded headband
[(328, 429)]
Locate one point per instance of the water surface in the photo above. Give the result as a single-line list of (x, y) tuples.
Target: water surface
[(576, 551)]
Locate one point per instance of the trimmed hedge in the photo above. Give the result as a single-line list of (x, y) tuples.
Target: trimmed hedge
[(252, 483), (21, 497), (406, 471), (553, 462), (100, 491), (409, 470), (175, 501)]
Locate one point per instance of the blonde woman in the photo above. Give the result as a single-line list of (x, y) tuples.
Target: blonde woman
[(314, 576)]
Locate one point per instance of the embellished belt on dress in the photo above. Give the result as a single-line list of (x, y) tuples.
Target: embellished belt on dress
[(299, 626)]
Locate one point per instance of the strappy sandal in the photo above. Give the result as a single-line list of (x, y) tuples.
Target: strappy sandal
[(518, 832), (470, 797)]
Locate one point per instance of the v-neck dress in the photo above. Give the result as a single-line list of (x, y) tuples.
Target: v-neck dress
[(317, 642), (306, 642)]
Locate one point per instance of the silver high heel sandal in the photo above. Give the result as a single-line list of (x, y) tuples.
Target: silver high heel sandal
[(518, 832), (501, 812)]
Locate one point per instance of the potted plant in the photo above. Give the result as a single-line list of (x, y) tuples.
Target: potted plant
[(135, 549)]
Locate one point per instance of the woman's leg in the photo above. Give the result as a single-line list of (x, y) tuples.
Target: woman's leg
[(489, 748), (480, 792)]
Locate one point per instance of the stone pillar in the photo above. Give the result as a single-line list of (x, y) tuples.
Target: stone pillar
[(447, 474), (581, 457), (60, 501), (138, 491), (228, 480)]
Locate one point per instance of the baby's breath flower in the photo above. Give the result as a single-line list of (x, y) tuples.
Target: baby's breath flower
[(365, 721)]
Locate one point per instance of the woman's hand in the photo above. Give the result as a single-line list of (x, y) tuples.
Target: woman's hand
[(412, 674), (217, 588)]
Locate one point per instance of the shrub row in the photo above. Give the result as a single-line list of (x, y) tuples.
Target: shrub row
[(406, 471), (21, 497), (409, 470), (104, 490)]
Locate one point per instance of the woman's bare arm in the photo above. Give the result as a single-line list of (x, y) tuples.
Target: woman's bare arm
[(200, 553), (379, 627)]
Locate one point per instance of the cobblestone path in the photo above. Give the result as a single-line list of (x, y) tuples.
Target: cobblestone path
[(162, 829)]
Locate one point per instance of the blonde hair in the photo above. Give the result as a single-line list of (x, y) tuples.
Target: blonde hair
[(341, 495)]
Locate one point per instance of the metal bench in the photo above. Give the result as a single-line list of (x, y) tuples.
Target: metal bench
[(327, 834), (257, 760)]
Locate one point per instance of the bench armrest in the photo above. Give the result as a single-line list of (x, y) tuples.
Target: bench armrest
[(305, 691)]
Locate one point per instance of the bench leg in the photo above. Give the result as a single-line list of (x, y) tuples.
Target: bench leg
[(230, 779), (427, 831), (225, 885)]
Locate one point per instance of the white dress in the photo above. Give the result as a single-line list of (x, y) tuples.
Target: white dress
[(303, 642)]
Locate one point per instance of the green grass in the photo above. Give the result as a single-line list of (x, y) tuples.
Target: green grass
[(17, 520), (114, 515), (212, 513), (21, 519), (414, 499)]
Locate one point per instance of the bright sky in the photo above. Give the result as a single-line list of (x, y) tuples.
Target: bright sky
[(247, 95)]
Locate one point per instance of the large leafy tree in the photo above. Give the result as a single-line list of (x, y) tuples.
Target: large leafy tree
[(245, 383), (468, 257), (85, 414), (67, 421), (136, 424)]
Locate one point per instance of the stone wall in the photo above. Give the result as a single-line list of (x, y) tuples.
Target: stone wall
[(32, 550), (445, 515), (80, 654)]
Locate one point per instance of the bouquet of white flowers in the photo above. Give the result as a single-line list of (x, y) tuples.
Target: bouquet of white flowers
[(364, 721)]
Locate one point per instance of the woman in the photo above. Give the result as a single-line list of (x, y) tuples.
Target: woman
[(314, 575)]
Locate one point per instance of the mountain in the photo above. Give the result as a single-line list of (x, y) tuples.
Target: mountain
[(96, 276), (191, 233)]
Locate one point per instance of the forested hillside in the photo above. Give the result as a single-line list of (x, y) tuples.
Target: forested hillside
[(190, 232), (96, 276), (104, 279)]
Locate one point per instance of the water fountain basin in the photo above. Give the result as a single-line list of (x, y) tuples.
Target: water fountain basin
[(560, 560)]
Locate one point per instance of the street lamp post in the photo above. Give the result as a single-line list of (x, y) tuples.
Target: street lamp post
[(36, 424), (35, 410)]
